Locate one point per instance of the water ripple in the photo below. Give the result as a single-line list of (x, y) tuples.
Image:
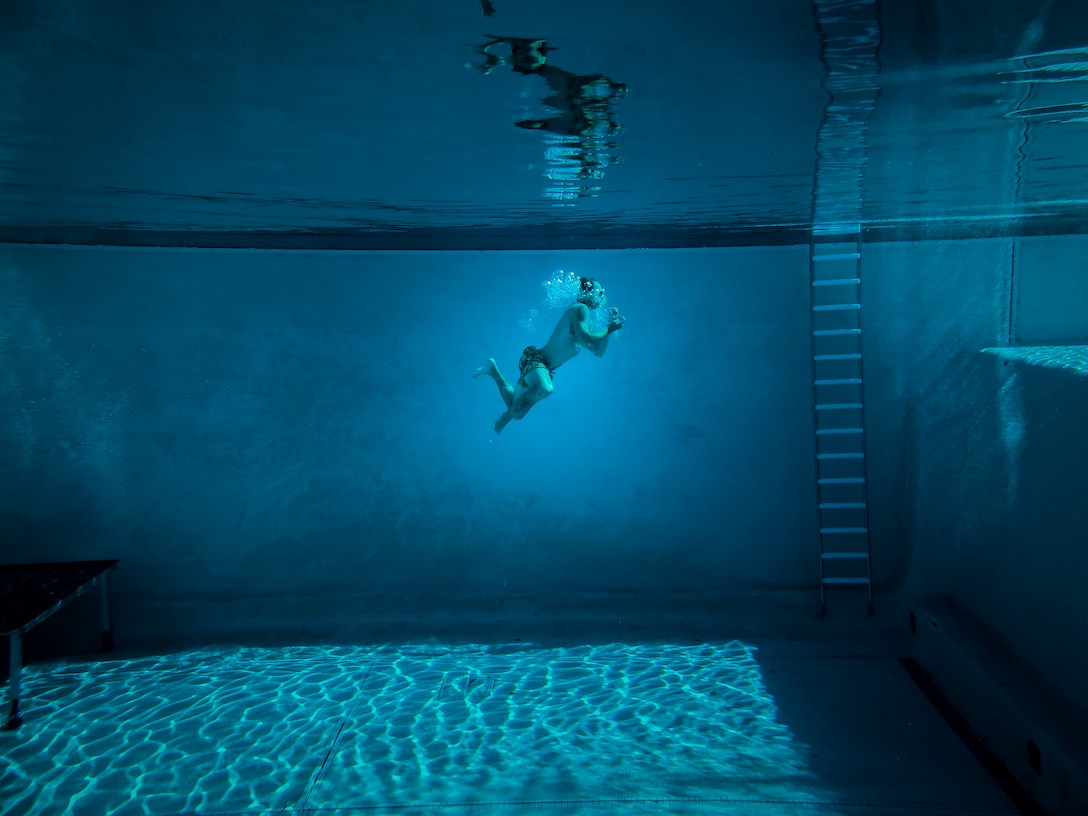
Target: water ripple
[(261, 730)]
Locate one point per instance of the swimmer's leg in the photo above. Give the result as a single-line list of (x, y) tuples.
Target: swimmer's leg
[(506, 391), (538, 385)]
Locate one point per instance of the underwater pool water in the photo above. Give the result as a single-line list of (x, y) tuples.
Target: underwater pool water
[(614, 728)]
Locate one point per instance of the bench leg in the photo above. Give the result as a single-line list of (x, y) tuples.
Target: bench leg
[(15, 717), (107, 621)]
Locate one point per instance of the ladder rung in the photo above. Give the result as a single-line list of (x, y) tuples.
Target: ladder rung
[(846, 580), (840, 456), (838, 307), (839, 406), (843, 530), (823, 358), (842, 506), (834, 332), (837, 282), (848, 381), (844, 555), (840, 431), (837, 256), (842, 480)]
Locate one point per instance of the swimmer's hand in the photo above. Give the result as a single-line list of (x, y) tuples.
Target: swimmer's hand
[(615, 320)]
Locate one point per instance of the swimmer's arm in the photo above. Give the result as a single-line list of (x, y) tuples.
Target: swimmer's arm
[(595, 341)]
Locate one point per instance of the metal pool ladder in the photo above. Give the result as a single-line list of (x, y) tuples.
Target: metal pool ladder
[(839, 415), (850, 40)]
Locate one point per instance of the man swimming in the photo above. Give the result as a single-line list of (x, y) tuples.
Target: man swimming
[(572, 333)]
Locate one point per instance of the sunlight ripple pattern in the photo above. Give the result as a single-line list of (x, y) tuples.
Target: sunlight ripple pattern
[(307, 729)]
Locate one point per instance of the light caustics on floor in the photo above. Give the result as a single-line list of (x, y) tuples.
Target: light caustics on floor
[(310, 729), (1071, 358)]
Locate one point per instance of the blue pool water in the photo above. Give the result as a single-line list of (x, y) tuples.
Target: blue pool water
[(251, 255)]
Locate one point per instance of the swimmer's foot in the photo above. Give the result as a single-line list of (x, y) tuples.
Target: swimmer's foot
[(501, 422), (490, 368), (506, 391)]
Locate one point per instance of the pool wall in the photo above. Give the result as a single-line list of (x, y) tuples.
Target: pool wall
[(271, 440), (977, 461)]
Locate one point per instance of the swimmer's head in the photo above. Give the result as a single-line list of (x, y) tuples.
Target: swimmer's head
[(565, 288), (590, 293)]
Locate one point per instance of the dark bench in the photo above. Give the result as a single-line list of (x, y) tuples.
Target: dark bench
[(30, 593)]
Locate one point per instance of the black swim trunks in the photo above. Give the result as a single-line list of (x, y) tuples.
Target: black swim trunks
[(532, 358)]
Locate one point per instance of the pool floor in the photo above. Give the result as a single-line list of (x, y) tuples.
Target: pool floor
[(725, 728)]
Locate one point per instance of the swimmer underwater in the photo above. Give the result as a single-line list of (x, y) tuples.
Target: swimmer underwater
[(572, 333)]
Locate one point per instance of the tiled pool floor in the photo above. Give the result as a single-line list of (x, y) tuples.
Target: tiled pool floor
[(593, 729)]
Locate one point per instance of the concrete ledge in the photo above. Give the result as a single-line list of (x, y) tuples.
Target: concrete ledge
[(1040, 739), (1069, 358)]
